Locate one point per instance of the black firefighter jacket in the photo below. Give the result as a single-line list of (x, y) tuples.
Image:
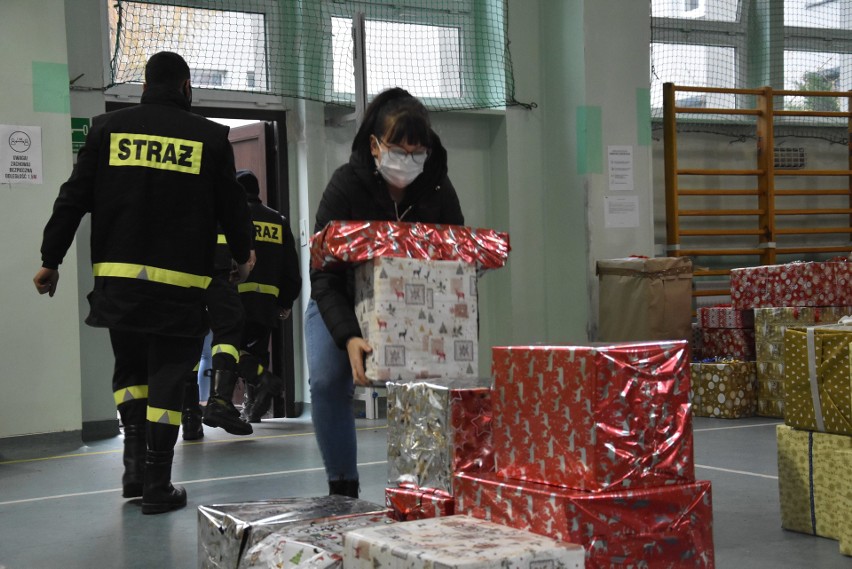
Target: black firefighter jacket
[(275, 282), (156, 179), (357, 192)]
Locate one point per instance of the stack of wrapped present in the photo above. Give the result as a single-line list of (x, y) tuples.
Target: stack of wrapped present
[(785, 295), (815, 444), (435, 429), (724, 375), (593, 445)]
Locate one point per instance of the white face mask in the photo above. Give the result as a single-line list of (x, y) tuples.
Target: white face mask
[(398, 171)]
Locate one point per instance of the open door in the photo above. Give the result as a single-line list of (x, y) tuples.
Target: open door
[(256, 149)]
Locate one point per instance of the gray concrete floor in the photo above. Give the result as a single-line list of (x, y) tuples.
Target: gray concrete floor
[(61, 506)]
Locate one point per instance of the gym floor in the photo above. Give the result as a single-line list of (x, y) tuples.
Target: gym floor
[(61, 504)]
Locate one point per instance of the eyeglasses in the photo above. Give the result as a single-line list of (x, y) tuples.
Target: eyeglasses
[(418, 156)]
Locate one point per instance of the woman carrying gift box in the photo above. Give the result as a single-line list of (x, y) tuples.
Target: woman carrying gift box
[(397, 172)]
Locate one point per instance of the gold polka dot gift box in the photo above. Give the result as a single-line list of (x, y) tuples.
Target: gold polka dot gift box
[(725, 389), (817, 380)]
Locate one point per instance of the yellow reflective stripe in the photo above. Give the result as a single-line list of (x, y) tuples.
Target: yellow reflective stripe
[(130, 393), (163, 416), (226, 349), (160, 152), (268, 232), (259, 369), (258, 287), (153, 274), (198, 365), (221, 240)]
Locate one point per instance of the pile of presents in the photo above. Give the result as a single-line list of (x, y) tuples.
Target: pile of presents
[(568, 456), (782, 349)]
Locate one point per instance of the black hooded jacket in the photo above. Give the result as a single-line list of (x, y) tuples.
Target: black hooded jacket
[(357, 192), (156, 179)]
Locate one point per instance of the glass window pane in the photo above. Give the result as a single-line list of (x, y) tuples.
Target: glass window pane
[(224, 49), (835, 14), (817, 71), (712, 10), (693, 66), (425, 60)]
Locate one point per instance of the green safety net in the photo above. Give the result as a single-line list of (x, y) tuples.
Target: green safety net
[(450, 53)]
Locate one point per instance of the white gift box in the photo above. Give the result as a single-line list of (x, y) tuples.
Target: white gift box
[(419, 316), (456, 542)]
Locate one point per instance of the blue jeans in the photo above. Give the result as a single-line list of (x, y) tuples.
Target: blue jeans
[(203, 365), (332, 388)]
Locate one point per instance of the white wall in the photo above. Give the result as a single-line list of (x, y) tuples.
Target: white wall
[(39, 336)]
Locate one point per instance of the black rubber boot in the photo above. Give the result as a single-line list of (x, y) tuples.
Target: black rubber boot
[(190, 417), (220, 410), (269, 385), (159, 495), (133, 479), (343, 488)]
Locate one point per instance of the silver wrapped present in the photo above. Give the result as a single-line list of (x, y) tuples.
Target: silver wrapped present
[(437, 428), (227, 531)]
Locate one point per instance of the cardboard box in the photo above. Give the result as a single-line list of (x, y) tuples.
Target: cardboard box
[(645, 299), (594, 417), (456, 542), (420, 317)]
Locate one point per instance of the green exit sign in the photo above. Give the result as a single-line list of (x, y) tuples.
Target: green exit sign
[(79, 130)]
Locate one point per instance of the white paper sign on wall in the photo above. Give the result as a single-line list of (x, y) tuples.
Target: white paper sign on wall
[(20, 154)]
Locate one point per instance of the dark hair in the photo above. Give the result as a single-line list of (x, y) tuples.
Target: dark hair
[(166, 69), (395, 116), (249, 182)]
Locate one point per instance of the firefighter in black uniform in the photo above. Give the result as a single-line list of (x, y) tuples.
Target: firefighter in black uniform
[(267, 297), (242, 319), (156, 179)]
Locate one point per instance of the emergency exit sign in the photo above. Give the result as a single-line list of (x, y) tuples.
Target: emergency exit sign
[(79, 130)]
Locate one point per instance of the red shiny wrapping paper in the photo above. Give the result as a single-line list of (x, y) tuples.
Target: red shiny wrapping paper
[(409, 503), (723, 316), (345, 242), (593, 418), (667, 527), (793, 284), (472, 420), (729, 343)]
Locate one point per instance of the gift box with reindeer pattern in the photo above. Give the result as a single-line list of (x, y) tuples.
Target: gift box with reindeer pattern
[(419, 316)]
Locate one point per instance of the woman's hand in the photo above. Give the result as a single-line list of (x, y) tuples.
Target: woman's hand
[(358, 348)]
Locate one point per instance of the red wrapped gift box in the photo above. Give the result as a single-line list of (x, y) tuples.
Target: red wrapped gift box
[(724, 316), (593, 418), (793, 284), (728, 343), (409, 503), (665, 527), (345, 242)]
